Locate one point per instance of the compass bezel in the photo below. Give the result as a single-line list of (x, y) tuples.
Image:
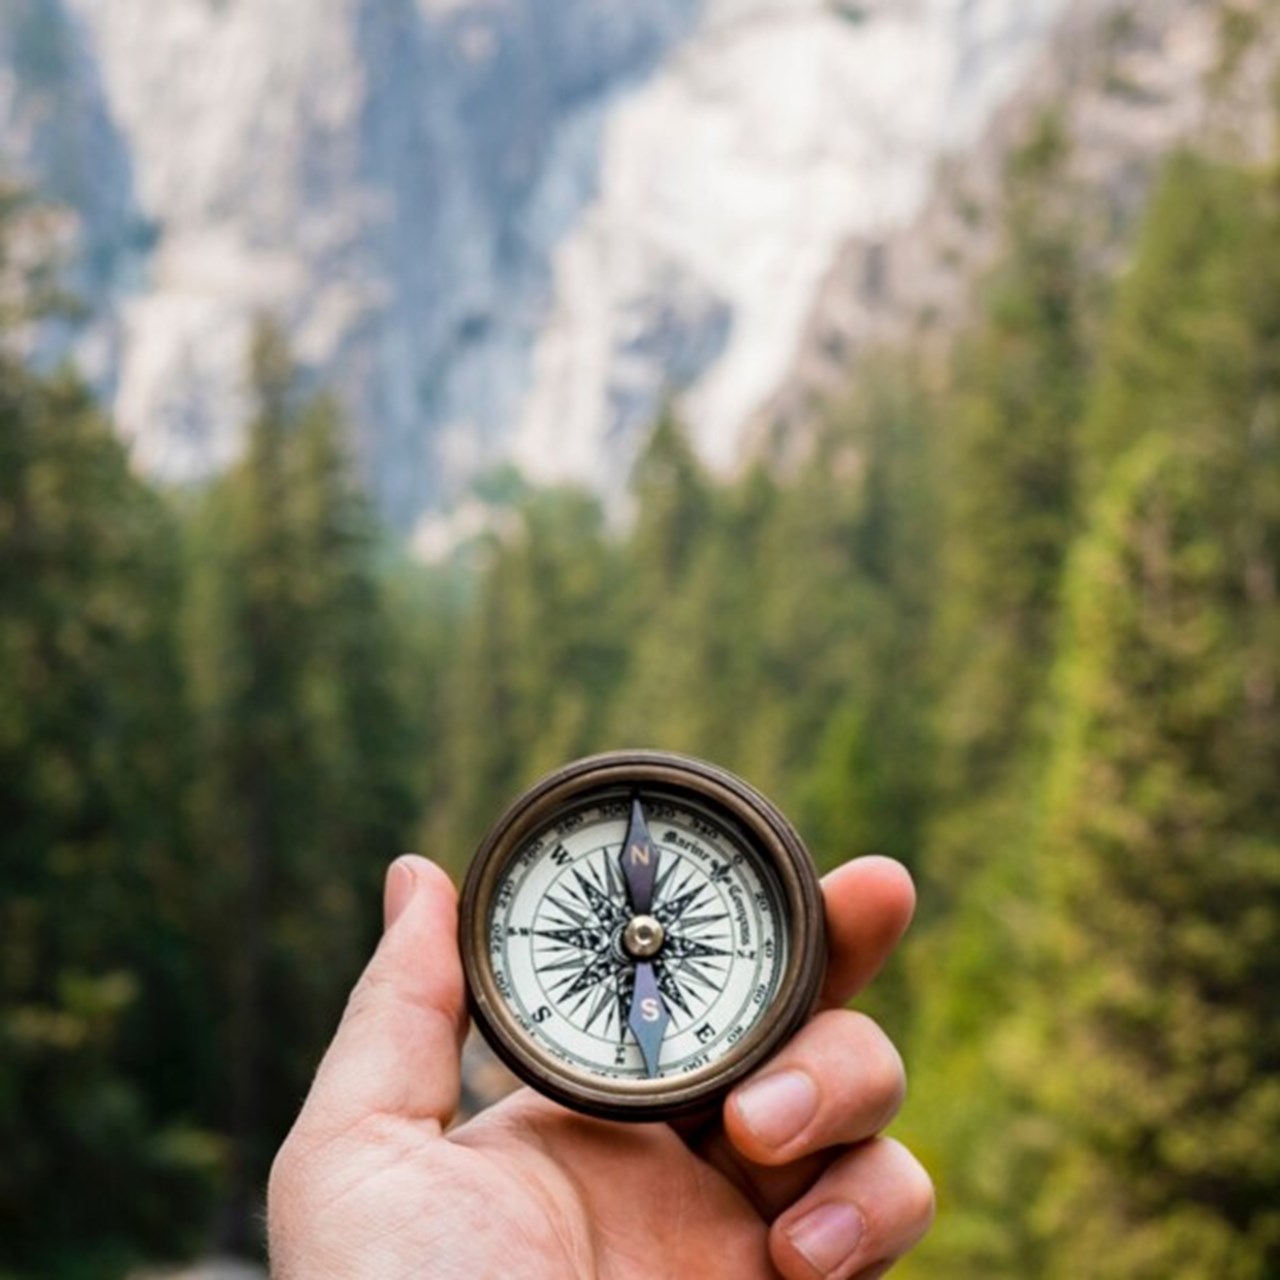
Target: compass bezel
[(749, 816)]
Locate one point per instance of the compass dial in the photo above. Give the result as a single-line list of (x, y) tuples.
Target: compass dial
[(639, 931), (561, 952)]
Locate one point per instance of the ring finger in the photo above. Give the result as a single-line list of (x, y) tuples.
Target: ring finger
[(866, 1210)]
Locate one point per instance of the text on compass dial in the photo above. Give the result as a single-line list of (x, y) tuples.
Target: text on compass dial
[(555, 938)]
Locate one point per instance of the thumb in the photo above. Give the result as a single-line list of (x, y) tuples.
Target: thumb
[(398, 1049)]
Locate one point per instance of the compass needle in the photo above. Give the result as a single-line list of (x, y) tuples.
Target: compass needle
[(639, 861), (649, 1017)]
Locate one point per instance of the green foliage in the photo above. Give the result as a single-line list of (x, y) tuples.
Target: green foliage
[(92, 767), (1009, 419), (1184, 346), (1009, 459), (205, 762), (304, 789), (864, 765), (525, 683), (737, 621), (1161, 1064), (1104, 1027)]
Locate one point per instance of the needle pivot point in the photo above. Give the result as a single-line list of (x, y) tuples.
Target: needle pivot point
[(643, 937)]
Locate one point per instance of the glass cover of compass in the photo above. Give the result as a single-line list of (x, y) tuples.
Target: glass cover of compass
[(639, 931)]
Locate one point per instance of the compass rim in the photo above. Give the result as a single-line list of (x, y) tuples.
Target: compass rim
[(720, 793)]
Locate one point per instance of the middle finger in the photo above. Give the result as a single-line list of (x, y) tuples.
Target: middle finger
[(839, 1081)]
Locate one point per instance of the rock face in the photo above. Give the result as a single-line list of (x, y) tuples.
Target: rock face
[(387, 177), (728, 184), (1128, 82), (499, 228)]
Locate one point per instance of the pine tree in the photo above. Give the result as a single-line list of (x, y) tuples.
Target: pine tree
[(305, 789), (674, 500), (538, 661), (1008, 467), (1162, 1056), (1161, 1048), (677, 512), (100, 1015), (1184, 342), (863, 746)]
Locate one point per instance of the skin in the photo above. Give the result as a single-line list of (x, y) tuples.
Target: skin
[(371, 1182)]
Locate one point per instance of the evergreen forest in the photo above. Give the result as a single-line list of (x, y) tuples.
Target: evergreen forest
[(1008, 614)]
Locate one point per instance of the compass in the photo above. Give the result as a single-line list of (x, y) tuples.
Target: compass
[(639, 931)]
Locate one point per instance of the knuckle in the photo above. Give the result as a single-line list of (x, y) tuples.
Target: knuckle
[(284, 1171), (284, 1190), (916, 1190), (882, 1072), (363, 995)]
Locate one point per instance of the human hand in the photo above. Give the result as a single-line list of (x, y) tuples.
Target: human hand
[(791, 1182)]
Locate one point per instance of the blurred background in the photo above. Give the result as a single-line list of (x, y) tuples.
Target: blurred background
[(399, 398)]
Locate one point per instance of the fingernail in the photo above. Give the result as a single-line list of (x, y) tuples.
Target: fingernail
[(827, 1236), (777, 1108), (397, 891)]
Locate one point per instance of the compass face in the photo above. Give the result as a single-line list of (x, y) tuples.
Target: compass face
[(638, 931), (560, 953)]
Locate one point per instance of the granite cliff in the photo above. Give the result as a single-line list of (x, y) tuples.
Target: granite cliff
[(501, 229)]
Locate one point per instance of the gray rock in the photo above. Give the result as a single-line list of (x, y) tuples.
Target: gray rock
[(1130, 82), (499, 228)]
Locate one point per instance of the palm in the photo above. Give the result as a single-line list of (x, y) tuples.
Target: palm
[(564, 1197)]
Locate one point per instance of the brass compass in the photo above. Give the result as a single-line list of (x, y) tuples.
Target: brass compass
[(639, 931)]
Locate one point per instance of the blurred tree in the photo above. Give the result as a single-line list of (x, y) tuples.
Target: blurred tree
[(677, 509), (1009, 450), (1008, 471), (674, 500), (863, 754), (101, 1013), (1188, 342), (1160, 1057), (751, 639), (305, 786), (693, 682), (537, 660)]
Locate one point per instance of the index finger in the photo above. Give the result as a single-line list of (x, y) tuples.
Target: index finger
[(869, 904)]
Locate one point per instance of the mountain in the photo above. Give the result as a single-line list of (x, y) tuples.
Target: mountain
[(501, 229), (1128, 83)]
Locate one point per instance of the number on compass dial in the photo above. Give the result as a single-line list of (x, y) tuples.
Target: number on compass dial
[(637, 938)]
